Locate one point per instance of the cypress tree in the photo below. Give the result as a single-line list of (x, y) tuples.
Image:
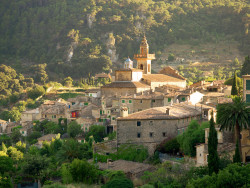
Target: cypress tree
[(236, 157), (213, 159), (234, 90)]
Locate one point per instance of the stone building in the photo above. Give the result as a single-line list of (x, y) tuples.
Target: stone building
[(246, 87), (3, 125), (150, 127), (226, 146), (129, 80), (30, 115)]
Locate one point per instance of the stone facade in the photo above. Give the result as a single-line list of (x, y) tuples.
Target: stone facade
[(150, 127), (246, 87)]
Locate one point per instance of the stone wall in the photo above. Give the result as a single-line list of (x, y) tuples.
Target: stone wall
[(118, 91), (123, 75), (152, 132)]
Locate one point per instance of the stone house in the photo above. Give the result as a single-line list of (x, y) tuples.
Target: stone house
[(85, 123), (30, 116), (246, 87), (47, 138), (150, 127), (96, 93), (3, 125), (226, 146)]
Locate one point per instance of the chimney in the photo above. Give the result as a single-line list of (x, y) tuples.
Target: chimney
[(168, 111), (124, 111)]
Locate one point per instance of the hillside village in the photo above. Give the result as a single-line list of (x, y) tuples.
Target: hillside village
[(143, 109)]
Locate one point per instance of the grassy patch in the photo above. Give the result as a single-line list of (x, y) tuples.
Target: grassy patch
[(66, 96)]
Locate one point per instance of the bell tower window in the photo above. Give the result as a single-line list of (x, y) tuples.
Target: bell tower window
[(141, 66)]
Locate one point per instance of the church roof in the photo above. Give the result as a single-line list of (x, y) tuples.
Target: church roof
[(118, 84), (161, 78), (130, 69), (128, 60)]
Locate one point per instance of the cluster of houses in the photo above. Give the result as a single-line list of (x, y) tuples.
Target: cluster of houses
[(143, 108)]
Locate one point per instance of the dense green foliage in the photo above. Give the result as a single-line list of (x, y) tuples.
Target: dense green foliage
[(36, 92), (49, 31), (74, 129), (97, 131), (127, 152), (12, 84), (237, 157), (213, 158), (246, 66), (235, 90), (170, 146), (118, 183), (232, 176), (194, 134)]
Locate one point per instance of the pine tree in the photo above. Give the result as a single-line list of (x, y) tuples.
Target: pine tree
[(213, 159), (236, 157), (235, 85)]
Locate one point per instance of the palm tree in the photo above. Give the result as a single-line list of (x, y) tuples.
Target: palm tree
[(234, 116)]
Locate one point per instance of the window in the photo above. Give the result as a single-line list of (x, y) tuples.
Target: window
[(153, 100), (45, 116), (113, 118), (178, 131), (248, 98), (101, 112), (22, 132), (86, 104), (54, 116), (150, 122), (164, 134), (183, 98), (130, 101), (139, 110), (138, 135), (247, 84), (123, 101), (151, 134), (183, 130), (169, 99), (73, 103), (138, 123), (141, 101)]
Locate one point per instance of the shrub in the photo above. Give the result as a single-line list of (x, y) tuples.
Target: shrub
[(118, 183), (171, 57), (36, 92)]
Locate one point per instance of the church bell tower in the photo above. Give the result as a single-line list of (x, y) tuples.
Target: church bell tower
[(144, 58)]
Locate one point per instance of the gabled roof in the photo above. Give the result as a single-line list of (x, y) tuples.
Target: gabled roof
[(161, 78), (171, 72), (47, 137), (177, 111), (121, 84)]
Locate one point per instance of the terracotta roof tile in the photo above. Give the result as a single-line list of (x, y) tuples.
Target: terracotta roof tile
[(161, 78), (177, 111), (118, 84)]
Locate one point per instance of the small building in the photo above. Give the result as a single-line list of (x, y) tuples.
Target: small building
[(246, 87), (30, 115), (96, 93), (3, 125), (47, 138), (226, 146), (150, 127)]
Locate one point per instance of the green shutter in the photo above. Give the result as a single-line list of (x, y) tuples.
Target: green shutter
[(248, 98), (123, 101), (247, 84), (169, 99), (86, 104), (130, 101), (178, 131), (183, 98), (101, 112)]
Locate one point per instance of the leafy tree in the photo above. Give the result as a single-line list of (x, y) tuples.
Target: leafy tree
[(171, 57), (213, 158), (14, 153), (120, 182), (74, 129), (36, 92), (16, 136), (34, 165), (6, 165), (246, 66), (97, 131), (32, 138), (82, 171), (68, 81), (193, 135), (40, 74), (5, 181), (236, 62), (234, 115), (237, 156), (21, 146), (234, 90)]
